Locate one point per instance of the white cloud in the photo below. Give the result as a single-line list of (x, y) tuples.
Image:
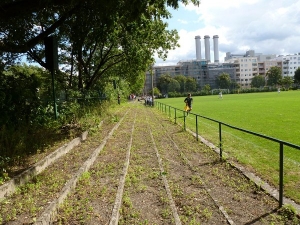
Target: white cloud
[(182, 21), (268, 27)]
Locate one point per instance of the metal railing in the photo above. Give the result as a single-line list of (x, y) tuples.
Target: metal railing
[(163, 107)]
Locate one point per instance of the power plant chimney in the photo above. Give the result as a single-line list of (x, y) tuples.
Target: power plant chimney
[(207, 48), (216, 48), (198, 47)]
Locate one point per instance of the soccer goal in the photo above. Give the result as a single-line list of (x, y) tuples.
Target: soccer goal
[(217, 91)]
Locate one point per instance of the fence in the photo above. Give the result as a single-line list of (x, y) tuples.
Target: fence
[(163, 107)]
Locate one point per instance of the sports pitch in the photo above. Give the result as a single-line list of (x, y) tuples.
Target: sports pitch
[(273, 114)]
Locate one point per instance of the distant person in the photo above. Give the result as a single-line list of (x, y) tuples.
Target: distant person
[(188, 101), (220, 94), (278, 90)]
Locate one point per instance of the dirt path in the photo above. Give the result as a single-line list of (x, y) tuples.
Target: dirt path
[(141, 169)]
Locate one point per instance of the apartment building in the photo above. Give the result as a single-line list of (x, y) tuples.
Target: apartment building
[(290, 63)]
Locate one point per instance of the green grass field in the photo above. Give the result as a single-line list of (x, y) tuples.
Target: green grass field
[(272, 114)]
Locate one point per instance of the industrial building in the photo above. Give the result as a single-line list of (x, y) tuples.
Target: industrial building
[(241, 67), (202, 70)]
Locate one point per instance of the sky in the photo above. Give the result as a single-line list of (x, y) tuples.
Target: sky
[(265, 26)]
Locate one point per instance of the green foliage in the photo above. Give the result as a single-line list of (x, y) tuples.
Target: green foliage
[(173, 85), (182, 80), (22, 89), (206, 88), (191, 84), (286, 82), (95, 40), (223, 81), (274, 76), (179, 83), (297, 76), (258, 81), (163, 83), (156, 91)]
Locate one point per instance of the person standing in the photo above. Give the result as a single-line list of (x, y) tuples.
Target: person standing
[(220, 94), (188, 101)]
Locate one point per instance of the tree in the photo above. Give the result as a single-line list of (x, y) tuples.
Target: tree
[(297, 76), (191, 84), (287, 82), (163, 83), (173, 86), (182, 81), (94, 36), (156, 91), (223, 81), (206, 88), (258, 81), (25, 23), (274, 76), (23, 91)]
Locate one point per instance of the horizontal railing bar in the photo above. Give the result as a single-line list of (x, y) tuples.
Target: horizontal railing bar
[(247, 131)]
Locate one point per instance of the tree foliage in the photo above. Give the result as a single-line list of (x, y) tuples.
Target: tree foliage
[(179, 83), (258, 81), (223, 81), (182, 81), (287, 82), (274, 76), (23, 89), (297, 76), (206, 88), (163, 83), (93, 35), (191, 84)]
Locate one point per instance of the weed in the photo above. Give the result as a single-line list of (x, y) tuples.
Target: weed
[(207, 213), (127, 201), (165, 213), (288, 212), (194, 222)]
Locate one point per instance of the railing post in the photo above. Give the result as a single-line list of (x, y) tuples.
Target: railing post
[(184, 120), (175, 115), (220, 139), (197, 127), (281, 176)]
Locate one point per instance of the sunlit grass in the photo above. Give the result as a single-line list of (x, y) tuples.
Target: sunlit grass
[(271, 114)]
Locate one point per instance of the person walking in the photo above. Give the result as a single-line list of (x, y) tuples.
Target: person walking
[(188, 101)]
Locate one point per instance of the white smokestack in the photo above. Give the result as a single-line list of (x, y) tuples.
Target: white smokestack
[(207, 48), (198, 47), (216, 48)]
